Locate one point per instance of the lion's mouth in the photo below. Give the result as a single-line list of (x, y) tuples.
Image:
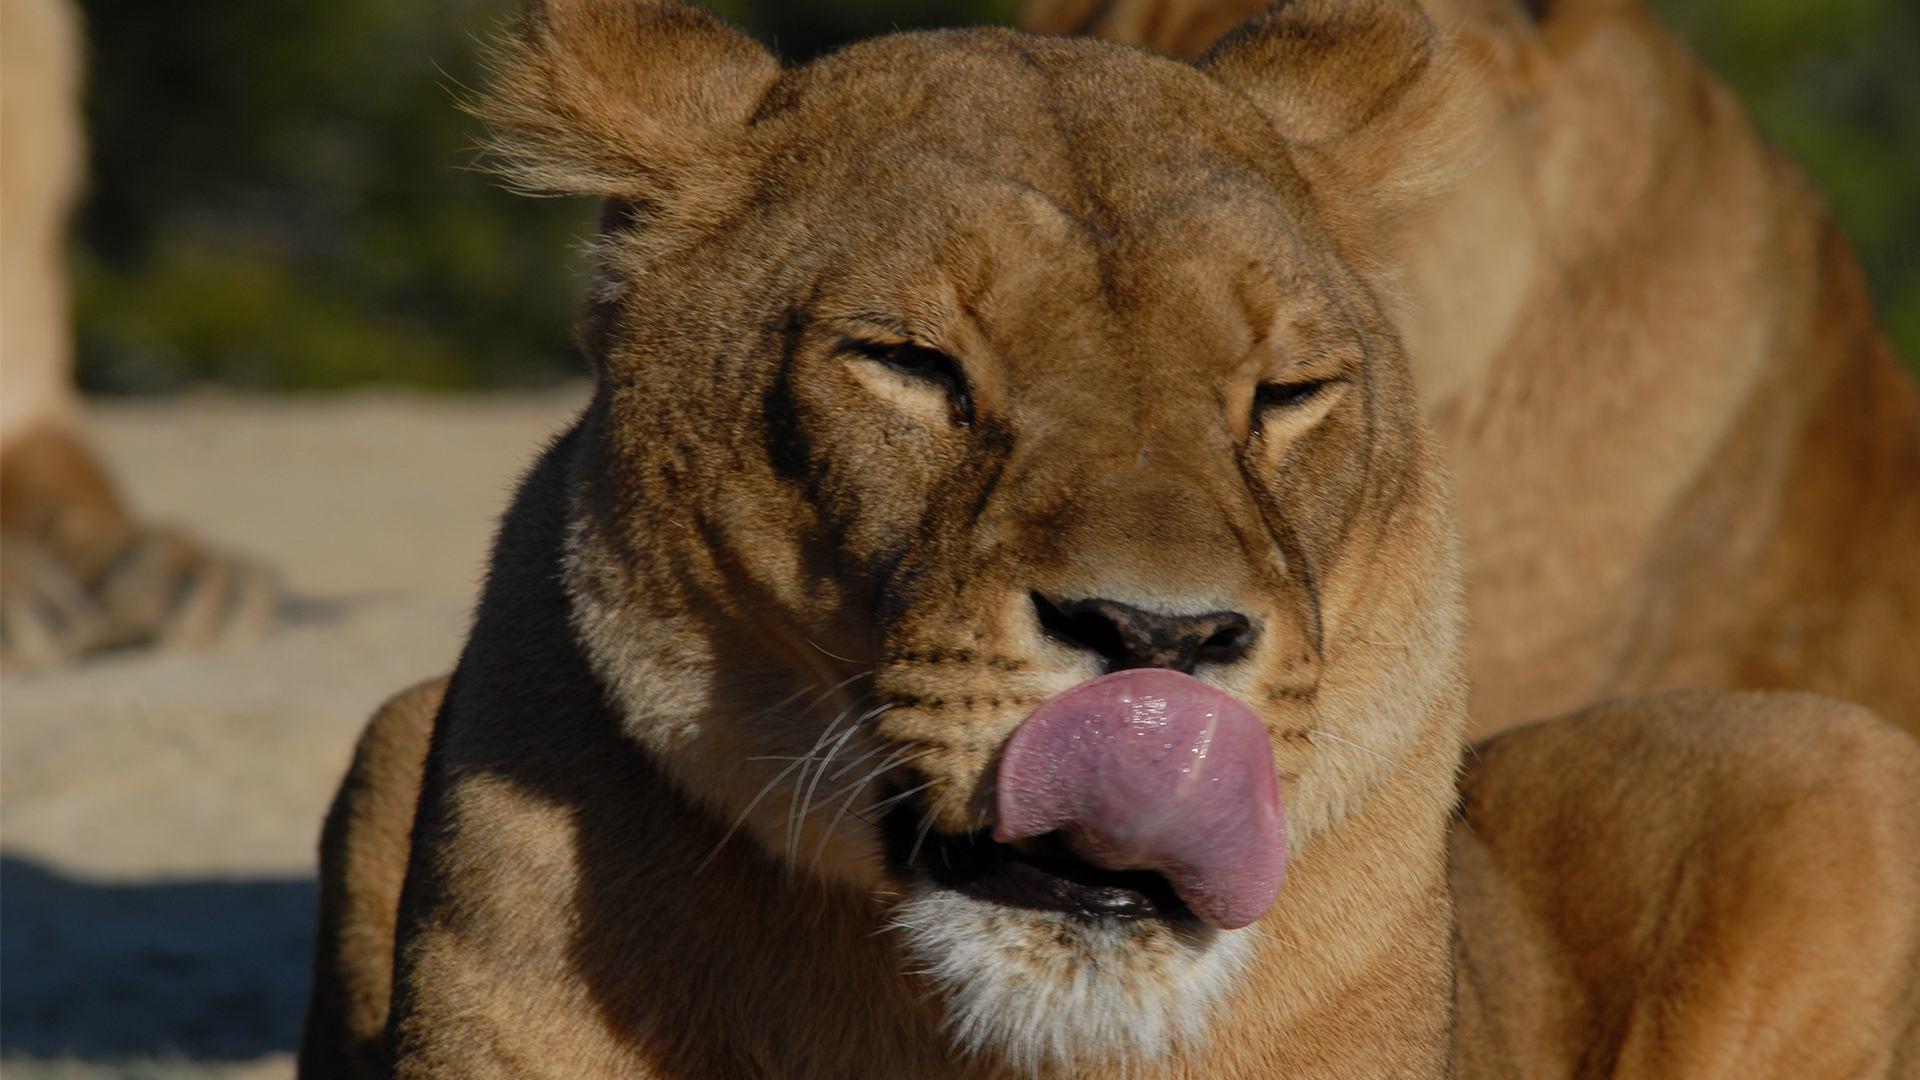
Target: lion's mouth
[(1142, 793), (1040, 874)]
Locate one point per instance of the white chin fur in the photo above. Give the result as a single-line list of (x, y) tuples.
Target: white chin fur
[(1048, 993)]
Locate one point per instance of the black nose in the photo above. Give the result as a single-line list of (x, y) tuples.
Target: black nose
[(1124, 636)]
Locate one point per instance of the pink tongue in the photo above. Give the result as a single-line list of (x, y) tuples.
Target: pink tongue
[(1150, 769)]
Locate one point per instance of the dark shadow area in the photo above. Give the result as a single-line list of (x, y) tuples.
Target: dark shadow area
[(191, 968)]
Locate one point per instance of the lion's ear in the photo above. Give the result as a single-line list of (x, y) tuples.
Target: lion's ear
[(642, 100), (1367, 93)]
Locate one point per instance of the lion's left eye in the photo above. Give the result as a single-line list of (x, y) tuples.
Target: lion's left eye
[(927, 365)]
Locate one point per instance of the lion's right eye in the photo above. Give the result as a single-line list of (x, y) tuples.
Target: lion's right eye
[(1293, 405), (930, 366)]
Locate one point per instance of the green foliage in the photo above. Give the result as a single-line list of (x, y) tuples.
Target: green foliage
[(282, 197), (282, 194), (1832, 82)]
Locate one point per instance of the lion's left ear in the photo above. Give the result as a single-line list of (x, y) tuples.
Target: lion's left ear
[(645, 101), (1369, 96)]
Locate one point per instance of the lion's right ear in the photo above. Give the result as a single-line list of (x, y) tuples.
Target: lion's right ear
[(1369, 95), (641, 100)]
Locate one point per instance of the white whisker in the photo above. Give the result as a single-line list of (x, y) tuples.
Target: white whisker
[(894, 800), (889, 763), (783, 702), (741, 820), (832, 690), (870, 714), (794, 763), (793, 828), (837, 656), (1389, 762), (853, 763), (796, 809), (1320, 733), (852, 792), (926, 826)]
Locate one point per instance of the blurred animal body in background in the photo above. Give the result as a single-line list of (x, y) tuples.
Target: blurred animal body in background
[(78, 571), (1685, 453)]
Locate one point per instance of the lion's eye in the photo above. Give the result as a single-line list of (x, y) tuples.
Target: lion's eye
[(1292, 396), (927, 365)]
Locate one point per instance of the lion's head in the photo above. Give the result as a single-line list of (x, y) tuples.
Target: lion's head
[(948, 373)]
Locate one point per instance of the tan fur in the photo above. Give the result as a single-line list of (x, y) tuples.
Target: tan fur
[(78, 572), (763, 553), (1695, 886), (1684, 450)]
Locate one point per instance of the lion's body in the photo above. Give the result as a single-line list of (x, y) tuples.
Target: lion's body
[(914, 365), (1700, 885), (1684, 452)]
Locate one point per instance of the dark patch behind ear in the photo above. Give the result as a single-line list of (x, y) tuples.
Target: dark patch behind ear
[(599, 330)]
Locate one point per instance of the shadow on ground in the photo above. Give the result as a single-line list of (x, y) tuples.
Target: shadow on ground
[(188, 968)]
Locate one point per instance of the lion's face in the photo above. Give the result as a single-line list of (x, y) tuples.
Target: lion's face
[(1007, 364)]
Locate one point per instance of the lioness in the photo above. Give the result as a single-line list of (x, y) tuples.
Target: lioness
[(78, 570), (1683, 451), (998, 614)]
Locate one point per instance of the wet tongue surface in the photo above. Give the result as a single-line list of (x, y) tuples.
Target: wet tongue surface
[(1149, 769)]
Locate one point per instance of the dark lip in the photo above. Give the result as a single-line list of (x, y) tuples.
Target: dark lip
[(1049, 878)]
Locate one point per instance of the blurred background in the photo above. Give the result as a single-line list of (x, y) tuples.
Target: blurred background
[(282, 199)]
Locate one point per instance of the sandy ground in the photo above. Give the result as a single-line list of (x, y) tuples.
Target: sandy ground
[(158, 812)]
